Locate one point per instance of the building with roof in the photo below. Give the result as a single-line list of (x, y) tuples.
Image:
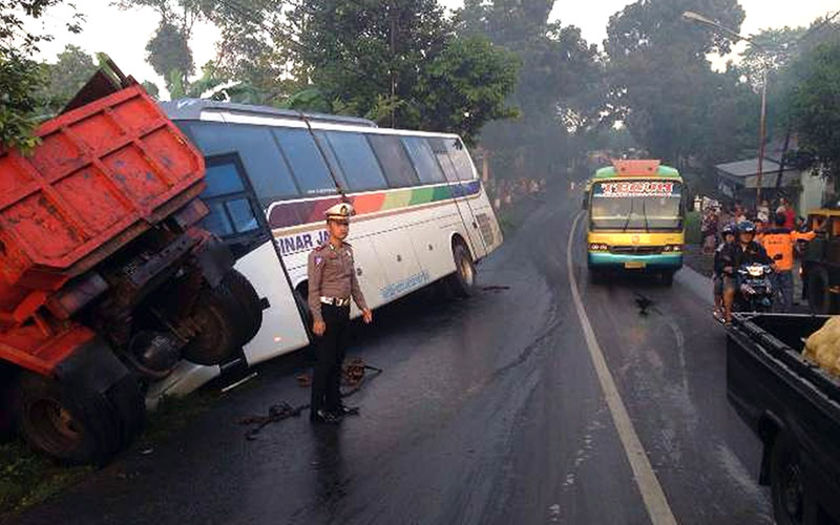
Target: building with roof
[(739, 180)]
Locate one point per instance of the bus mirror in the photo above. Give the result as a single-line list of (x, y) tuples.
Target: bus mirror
[(585, 198)]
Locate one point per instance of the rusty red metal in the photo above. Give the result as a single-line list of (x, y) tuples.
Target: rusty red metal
[(103, 174), (636, 168)]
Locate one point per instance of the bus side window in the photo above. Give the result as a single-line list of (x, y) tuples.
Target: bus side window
[(309, 168), (460, 159), (234, 212), (357, 161), (424, 160), (438, 146), (395, 162), (258, 152)]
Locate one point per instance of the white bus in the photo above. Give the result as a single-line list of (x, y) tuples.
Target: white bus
[(422, 212)]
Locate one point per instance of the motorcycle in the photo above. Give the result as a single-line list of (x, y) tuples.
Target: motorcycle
[(755, 288)]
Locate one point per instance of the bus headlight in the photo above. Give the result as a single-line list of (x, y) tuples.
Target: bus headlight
[(598, 247), (669, 248)]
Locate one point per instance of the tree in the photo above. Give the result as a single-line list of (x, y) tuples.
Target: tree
[(399, 63), (815, 111), (466, 86), (64, 78), (559, 92), (21, 78), (662, 85)]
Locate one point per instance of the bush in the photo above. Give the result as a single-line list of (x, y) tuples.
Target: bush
[(693, 221)]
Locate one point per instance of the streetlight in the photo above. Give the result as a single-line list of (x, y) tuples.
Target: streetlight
[(700, 19)]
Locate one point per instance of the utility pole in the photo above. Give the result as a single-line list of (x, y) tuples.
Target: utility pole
[(762, 126)]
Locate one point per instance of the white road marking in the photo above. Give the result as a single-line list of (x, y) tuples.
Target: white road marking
[(657, 505)]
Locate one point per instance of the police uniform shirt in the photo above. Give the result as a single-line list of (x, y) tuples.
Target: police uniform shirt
[(331, 274)]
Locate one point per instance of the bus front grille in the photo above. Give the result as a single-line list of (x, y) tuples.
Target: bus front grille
[(636, 250)]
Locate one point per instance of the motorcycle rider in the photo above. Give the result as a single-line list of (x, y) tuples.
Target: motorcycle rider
[(747, 251), (724, 270)]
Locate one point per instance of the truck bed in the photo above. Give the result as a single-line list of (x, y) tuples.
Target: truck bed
[(103, 173), (779, 393)]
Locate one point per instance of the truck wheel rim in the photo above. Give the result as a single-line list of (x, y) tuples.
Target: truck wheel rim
[(792, 492), (54, 424)]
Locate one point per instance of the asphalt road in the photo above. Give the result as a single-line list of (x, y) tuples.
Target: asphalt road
[(489, 410)]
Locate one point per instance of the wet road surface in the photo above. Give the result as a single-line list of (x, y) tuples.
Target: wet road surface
[(489, 410)]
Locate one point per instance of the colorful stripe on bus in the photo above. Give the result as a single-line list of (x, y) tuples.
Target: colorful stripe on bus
[(286, 214)]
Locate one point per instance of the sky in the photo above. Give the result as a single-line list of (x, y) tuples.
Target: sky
[(123, 34)]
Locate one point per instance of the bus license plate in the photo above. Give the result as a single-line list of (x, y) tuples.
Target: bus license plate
[(634, 265)]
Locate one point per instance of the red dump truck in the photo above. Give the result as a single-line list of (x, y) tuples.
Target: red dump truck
[(106, 280)]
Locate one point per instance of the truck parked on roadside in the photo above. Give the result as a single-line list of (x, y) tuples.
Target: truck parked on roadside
[(794, 408), (107, 282), (821, 262)]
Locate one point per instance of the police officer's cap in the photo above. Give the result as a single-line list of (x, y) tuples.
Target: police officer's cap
[(340, 212)]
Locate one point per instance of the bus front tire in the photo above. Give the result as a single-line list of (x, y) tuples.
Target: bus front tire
[(668, 278), (218, 324), (250, 310), (78, 426), (462, 282)]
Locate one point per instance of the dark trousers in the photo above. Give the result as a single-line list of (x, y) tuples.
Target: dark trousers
[(330, 349), (784, 284)]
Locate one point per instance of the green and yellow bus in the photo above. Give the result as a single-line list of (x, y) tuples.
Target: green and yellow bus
[(636, 219)]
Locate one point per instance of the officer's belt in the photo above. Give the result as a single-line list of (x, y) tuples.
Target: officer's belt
[(336, 301)]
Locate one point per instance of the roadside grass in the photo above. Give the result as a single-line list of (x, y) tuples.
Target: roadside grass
[(28, 478)]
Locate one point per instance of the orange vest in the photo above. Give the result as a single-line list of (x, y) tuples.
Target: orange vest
[(779, 246)]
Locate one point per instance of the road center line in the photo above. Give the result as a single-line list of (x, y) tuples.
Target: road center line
[(657, 505)]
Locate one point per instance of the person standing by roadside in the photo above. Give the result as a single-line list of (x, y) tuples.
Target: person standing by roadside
[(790, 214), (332, 283), (779, 243)]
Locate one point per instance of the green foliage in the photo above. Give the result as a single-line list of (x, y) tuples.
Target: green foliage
[(28, 478), (466, 86), (21, 78), (168, 52), (71, 70), (662, 85), (560, 90), (815, 109)]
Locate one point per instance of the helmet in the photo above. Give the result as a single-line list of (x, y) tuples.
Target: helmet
[(728, 229), (746, 227)]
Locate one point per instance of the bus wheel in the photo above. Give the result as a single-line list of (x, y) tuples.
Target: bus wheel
[(819, 295), (786, 482), (595, 276), (218, 324), (668, 278), (250, 310), (79, 426), (462, 282)]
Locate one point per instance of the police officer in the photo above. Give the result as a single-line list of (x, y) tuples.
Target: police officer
[(332, 283)]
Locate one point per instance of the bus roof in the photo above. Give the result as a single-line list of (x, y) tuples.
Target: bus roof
[(637, 168), (192, 108)]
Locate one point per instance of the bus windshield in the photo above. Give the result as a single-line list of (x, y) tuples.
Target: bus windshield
[(652, 205)]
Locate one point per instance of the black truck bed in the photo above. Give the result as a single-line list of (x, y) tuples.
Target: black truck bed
[(780, 394)]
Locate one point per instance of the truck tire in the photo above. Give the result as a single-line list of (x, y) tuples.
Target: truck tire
[(79, 427), (462, 282), (250, 311), (819, 296), (786, 482)]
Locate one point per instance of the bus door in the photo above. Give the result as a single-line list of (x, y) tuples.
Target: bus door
[(458, 169), (237, 217)]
